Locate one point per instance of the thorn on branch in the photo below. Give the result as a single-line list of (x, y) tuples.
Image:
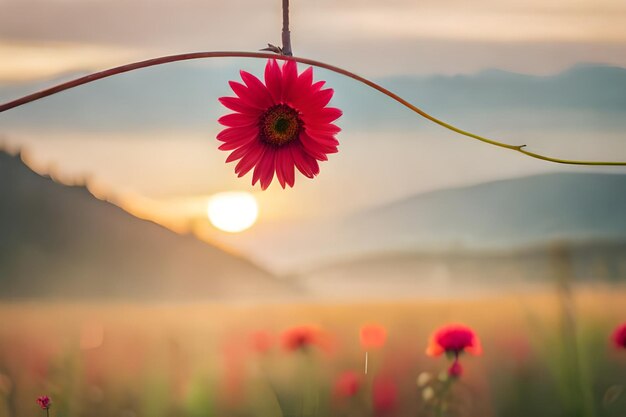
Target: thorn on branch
[(273, 48)]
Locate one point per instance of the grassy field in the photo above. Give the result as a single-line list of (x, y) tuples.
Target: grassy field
[(544, 355)]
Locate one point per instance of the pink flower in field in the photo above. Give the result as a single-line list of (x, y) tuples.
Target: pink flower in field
[(300, 338), (384, 395), (278, 125), (347, 384), (44, 402), (619, 336), (373, 336), (455, 370), (454, 339)]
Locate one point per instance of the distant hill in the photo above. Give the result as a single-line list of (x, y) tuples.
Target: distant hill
[(492, 237), (584, 86), (59, 241), (498, 215), (187, 97), (511, 212)]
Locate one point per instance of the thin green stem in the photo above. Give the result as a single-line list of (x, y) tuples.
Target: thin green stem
[(442, 396), (221, 54)]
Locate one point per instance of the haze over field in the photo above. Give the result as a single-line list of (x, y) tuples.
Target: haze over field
[(152, 150), (60, 241), (545, 74)]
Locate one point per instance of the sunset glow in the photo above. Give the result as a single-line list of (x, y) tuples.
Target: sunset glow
[(232, 211)]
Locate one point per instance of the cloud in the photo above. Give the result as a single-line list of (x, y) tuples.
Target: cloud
[(142, 23), (27, 61), (372, 37), (468, 24), (247, 22)]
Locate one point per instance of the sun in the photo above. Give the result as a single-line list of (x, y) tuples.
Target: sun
[(232, 211)]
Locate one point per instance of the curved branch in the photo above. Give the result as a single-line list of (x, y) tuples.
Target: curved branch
[(236, 54)]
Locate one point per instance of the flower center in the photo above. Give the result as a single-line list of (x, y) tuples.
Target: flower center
[(280, 125)]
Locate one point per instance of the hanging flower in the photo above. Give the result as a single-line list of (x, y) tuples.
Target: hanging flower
[(619, 336), (373, 336), (44, 402), (278, 125), (454, 339)]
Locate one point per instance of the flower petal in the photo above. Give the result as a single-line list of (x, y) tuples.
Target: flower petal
[(264, 170), (246, 95), (278, 166), (315, 87), (238, 153), (325, 115), (286, 160), (320, 99), (305, 94), (306, 164), (323, 128), (238, 120), (237, 142), (323, 138), (313, 148), (313, 165), (290, 75), (237, 104), (233, 133), (257, 88), (273, 80), (306, 78), (249, 160)]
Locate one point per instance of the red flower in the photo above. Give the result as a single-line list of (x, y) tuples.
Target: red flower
[(261, 341), (384, 395), (347, 384), (278, 125), (454, 339), (455, 370), (619, 336), (44, 402), (373, 336), (300, 338)]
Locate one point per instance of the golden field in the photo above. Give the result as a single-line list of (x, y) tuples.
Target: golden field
[(544, 354)]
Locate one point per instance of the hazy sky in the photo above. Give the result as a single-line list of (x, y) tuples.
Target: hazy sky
[(41, 39), (407, 36)]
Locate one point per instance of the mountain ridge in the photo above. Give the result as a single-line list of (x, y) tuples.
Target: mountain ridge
[(507, 213), (133, 103), (60, 241), (534, 196)]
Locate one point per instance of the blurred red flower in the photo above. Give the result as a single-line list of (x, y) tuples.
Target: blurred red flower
[(232, 383), (347, 384), (300, 338), (44, 402), (384, 395), (261, 341), (373, 336), (619, 336), (455, 370), (278, 125), (453, 339)]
